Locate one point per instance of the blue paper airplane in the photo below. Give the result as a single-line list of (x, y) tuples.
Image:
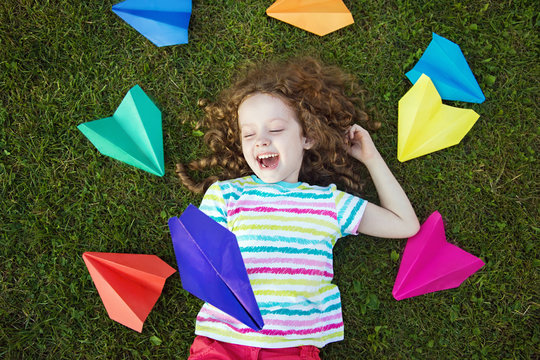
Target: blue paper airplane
[(446, 66), (211, 266), (132, 135), (163, 22)]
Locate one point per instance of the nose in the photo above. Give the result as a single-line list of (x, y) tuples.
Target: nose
[(262, 141)]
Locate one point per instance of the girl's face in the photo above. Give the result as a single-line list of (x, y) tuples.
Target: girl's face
[(272, 140)]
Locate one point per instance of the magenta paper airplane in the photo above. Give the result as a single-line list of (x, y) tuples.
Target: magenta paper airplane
[(430, 263)]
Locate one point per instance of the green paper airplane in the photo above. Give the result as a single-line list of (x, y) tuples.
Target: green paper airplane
[(132, 135)]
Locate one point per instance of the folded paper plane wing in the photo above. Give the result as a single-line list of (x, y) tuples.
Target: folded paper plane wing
[(211, 266), (132, 135), (320, 17), (163, 22), (426, 125), (129, 284), (429, 263), (445, 64)]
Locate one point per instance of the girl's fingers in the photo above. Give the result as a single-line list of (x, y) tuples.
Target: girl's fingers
[(357, 133)]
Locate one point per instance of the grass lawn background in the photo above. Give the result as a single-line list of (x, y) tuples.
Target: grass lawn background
[(63, 63)]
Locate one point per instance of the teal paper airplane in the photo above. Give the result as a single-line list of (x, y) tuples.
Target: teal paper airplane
[(446, 66), (132, 135)]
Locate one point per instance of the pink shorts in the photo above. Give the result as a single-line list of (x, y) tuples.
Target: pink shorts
[(204, 348)]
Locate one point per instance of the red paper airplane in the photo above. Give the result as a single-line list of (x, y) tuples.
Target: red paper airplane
[(430, 263), (128, 284)]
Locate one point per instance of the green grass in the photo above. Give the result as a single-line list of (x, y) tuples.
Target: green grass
[(67, 62)]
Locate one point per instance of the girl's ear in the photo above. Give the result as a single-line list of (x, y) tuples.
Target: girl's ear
[(307, 143)]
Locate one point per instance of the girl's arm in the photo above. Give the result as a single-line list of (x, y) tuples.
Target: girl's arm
[(395, 217)]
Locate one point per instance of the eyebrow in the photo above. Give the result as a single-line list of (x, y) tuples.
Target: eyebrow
[(281, 120)]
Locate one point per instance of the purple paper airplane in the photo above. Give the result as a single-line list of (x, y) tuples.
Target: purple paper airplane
[(211, 266)]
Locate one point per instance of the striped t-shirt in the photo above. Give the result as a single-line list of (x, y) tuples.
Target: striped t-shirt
[(286, 232)]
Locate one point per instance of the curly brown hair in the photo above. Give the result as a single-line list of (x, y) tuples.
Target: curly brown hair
[(317, 93)]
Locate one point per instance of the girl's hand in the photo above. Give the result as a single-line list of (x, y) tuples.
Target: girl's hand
[(359, 144)]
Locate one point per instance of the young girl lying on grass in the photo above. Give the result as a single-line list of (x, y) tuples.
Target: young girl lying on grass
[(284, 135)]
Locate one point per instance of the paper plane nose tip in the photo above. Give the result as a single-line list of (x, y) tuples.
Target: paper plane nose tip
[(481, 98)]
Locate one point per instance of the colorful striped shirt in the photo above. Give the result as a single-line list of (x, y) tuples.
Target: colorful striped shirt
[(286, 232)]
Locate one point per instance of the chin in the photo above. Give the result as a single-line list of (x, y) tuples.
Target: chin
[(268, 178)]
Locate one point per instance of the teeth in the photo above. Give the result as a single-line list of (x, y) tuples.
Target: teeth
[(266, 156)]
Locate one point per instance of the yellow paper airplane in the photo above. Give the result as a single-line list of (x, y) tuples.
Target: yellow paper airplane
[(426, 125), (317, 16)]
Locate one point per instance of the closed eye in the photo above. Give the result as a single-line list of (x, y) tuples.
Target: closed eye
[(247, 136), (276, 130)]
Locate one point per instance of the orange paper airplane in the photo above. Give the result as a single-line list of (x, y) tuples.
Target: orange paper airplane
[(320, 17), (128, 284)]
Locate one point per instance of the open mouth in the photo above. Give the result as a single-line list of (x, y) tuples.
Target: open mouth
[(268, 160)]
